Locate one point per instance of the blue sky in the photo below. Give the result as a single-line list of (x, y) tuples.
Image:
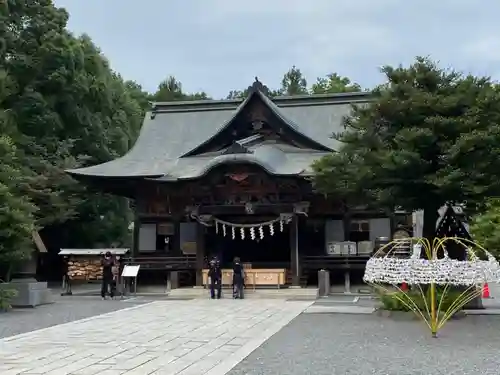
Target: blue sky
[(219, 45)]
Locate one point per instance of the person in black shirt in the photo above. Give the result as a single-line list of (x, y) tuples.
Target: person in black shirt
[(238, 279), (107, 276), (215, 275), (66, 280)]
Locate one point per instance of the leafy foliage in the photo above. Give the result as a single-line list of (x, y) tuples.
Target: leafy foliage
[(171, 90), (62, 107), (420, 143), (6, 297), (333, 83), (17, 221), (294, 83), (484, 227), (392, 301)]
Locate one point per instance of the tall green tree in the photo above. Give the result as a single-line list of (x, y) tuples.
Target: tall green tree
[(17, 220), (293, 83), (333, 83), (170, 90), (67, 109), (429, 136)]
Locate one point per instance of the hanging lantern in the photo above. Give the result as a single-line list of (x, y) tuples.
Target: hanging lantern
[(242, 233), (261, 232)]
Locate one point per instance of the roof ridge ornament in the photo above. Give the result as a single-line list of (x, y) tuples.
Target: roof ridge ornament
[(258, 86)]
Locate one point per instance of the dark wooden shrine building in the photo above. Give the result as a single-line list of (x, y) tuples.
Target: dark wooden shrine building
[(229, 178)]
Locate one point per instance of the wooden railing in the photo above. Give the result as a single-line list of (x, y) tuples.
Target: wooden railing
[(334, 262), (185, 262)]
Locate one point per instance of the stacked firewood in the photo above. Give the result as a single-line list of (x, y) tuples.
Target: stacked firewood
[(85, 269)]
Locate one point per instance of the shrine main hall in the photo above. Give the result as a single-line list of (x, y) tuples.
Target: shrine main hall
[(231, 178)]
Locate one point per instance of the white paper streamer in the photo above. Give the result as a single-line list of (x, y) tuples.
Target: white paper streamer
[(414, 270)]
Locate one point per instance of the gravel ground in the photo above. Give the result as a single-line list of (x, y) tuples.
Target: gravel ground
[(66, 309), (336, 344)]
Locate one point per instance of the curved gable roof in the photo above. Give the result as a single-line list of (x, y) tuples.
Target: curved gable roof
[(175, 129), (256, 91)]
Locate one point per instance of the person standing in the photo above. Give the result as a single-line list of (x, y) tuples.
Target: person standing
[(238, 279), (107, 276), (66, 286), (215, 275)]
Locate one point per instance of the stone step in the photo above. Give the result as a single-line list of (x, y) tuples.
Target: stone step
[(288, 293)]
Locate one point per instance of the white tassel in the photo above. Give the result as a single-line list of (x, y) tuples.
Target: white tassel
[(242, 232), (252, 233), (233, 232), (261, 232)]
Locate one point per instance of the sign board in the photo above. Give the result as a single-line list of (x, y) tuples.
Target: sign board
[(349, 248), (333, 248), (130, 271)]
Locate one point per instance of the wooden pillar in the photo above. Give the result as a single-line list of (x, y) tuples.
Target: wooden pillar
[(347, 226), (135, 239), (294, 251), (176, 246), (200, 254)]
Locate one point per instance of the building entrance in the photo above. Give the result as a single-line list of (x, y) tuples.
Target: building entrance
[(265, 250)]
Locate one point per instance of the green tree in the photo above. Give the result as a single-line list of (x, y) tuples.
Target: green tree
[(293, 83), (67, 108), (170, 90), (429, 136), (17, 221), (484, 227), (333, 83)]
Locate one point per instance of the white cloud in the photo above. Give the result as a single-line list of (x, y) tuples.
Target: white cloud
[(220, 45)]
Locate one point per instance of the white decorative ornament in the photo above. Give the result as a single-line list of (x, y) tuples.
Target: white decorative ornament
[(261, 232), (242, 233), (224, 229), (252, 233), (271, 229), (233, 232), (282, 227), (216, 227), (387, 269)]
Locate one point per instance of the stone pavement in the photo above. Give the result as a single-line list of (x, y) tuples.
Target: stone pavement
[(164, 337), (66, 309)]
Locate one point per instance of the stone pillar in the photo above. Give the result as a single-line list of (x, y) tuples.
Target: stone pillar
[(323, 283), (347, 282), (200, 254), (172, 280), (294, 251)]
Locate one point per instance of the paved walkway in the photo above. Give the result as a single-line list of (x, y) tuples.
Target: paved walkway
[(166, 337)]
